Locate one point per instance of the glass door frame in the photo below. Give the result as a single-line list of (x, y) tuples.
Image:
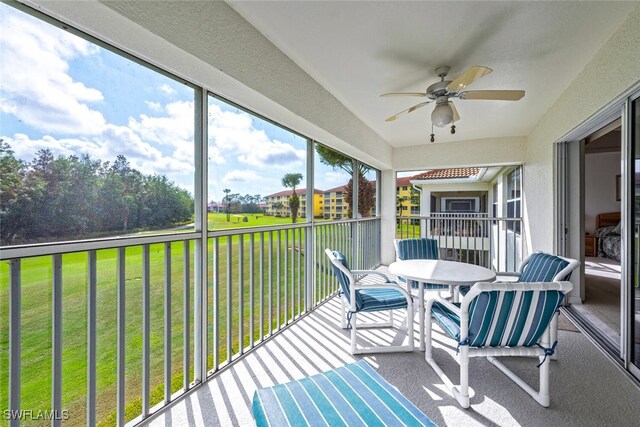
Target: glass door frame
[(629, 261), (621, 107)]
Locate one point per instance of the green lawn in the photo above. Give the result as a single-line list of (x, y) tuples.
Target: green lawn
[(36, 314), (36, 319), (218, 221)]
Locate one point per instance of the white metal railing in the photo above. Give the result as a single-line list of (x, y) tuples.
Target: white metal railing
[(139, 289), (491, 242)]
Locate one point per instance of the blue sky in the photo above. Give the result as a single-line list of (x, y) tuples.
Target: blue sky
[(61, 92)]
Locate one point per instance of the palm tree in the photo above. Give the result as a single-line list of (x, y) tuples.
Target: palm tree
[(292, 180)]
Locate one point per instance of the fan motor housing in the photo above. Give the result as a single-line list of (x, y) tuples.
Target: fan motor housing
[(438, 89)]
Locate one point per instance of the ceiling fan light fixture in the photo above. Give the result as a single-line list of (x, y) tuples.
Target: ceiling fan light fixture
[(442, 115)]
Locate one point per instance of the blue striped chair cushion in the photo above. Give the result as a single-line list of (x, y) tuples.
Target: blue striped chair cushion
[(464, 289), (379, 299), (447, 319), (543, 268), (491, 325), (427, 286), (494, 325), (353, 395), (418, 249), (343, 279)]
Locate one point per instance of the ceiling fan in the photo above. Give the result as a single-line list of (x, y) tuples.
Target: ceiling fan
[(445, 112)]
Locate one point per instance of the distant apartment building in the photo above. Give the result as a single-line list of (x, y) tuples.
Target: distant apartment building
[(277, 204), (334, 205), (407, 206)]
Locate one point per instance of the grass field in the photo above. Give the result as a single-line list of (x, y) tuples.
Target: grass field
[(218, 221), (282, 285)]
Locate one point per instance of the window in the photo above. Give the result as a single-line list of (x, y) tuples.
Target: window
[(100, 145), (460, 204), (404, 188), (251, 159), (332, 172), (513, 200)]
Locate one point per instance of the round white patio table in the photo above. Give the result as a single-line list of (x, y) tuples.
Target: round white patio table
[(439, 272)]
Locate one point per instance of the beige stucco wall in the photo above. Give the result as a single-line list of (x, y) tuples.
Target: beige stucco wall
[(613, 70), (484, 152)]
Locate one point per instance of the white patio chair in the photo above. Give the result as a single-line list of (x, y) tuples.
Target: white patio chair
[(499, 319), (357, 297)]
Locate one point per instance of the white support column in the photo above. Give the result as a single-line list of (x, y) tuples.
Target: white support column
[(387, 215), (425, 210)]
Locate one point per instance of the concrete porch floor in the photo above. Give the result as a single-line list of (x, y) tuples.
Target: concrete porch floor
[(586, 388)]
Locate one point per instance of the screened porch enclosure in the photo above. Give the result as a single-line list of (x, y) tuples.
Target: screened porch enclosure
[(123, 328)]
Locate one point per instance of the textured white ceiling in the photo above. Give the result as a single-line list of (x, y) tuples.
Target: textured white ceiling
[(358, 50)]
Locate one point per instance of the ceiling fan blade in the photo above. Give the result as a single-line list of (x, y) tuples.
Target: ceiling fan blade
[(408, 110), (468, 77), (495, 95), (403, 94), (456, 116)]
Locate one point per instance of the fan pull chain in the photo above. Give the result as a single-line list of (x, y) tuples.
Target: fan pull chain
[(433, 137)]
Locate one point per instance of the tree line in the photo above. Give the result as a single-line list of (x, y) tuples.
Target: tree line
[(236, 203), (51, 198)]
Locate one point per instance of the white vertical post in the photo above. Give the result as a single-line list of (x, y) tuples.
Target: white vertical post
[(15, 306), (185, 315), (240, 294), (229, 301), (251, 289), (201, 246), (310, 235), (167, 322), (146, 330), (91, 340), (216, 303), (56, 359), (121, 364)]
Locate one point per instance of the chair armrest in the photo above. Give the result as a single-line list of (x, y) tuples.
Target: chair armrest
[(444, 302), (508, 273), (368, 272), (385, 286)]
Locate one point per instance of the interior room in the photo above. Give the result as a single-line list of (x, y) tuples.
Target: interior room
[(602, 207)]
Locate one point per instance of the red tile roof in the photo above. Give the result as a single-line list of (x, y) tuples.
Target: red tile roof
[(335, 189), (299, 192), (404, 181), (447, 173)]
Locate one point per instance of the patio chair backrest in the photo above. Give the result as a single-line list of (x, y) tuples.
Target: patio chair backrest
[(417, 249), (340, 267), (542, 267), (510, 314)]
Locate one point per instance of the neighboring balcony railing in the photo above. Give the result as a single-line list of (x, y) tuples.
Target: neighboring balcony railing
[(113, 330), (475, 238)]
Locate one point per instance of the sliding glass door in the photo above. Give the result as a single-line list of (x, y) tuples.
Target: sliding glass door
[(634, 285)]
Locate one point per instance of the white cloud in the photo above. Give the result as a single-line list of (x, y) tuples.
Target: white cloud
[(114, 140), (234, 134), (240, 176), (332, 178), (174, 130), (167, 90), (154, 106), (36, 86)]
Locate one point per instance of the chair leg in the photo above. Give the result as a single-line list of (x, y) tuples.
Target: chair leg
[(461, 394), (543, 395), (343, 314), (463, 398), (354, 321), (554, 333), (391, 318)]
